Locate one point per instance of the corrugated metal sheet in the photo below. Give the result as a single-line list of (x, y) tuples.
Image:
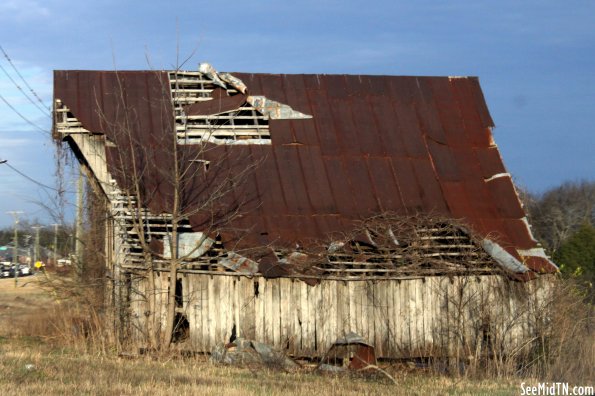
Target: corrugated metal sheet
[(375, 143)]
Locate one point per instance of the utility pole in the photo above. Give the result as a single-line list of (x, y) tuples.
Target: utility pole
[(15, 253), (55, 244), (36, 250)]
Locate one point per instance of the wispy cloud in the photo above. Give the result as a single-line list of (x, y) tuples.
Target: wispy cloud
[(21, 10), (8, 143)]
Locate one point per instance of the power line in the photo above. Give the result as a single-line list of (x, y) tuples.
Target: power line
[(43, 110), (30, 178), (23, 117), (23, 79)]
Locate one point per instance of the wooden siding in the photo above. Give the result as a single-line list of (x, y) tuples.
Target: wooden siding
[(407, 318)]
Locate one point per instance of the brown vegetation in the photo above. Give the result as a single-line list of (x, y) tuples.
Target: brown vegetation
[(50, 348)]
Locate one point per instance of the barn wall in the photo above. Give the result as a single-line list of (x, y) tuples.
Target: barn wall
[(407, 318)]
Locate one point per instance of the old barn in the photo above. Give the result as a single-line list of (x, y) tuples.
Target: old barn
[(297, 209)]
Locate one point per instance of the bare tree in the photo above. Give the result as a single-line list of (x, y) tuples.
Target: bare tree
[(559, 212), (163, 182)]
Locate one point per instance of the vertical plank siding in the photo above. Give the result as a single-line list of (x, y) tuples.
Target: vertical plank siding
[(457, 316)]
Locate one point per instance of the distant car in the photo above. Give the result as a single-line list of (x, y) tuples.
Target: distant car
[(7, 271), (24, 270)]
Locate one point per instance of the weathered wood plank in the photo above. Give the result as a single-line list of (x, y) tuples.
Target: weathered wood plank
[(214, 310), (368, 309), (260, 308), (268, 311), (429, 300), (351, 306), (285, 312), (342, 309), (294, 314), (401, 318), (329, 333), (248, 312), (304, 319), (414, 317), (392, 316), (378, 315), (276, 314), (315, 306), (226, 314)]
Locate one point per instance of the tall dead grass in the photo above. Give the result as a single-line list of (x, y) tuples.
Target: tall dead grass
[(564, 348), (560, 345), (548, 336), (70, 315)]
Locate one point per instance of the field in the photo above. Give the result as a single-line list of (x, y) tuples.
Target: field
[(34, 360)]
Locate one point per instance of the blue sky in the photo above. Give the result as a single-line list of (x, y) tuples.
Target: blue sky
[(535, 61)]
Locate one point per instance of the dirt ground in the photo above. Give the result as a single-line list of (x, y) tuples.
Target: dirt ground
[(20, 302)]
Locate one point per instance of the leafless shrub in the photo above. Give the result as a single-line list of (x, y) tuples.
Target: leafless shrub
[(546, 332), (564, 348), (393, 245)]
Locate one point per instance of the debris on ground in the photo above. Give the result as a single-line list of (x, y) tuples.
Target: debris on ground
[(350, 352), (243, 352)]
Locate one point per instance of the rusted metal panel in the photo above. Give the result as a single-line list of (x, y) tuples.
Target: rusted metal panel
[(328, 136), (505, 198), (467, 164), (387, 123), (450, 117), (519, 233), (404, 89), (407, 181), (304, 131), (269, 181), (347, 136), (490, 161), (457, 200), (342, 193), (369, 137), (387, 189), (427, 112), (495, 229), (429, 187), (409, 130), (540, 264), (444, 161), (361, 185), (369, 146), (480, 103), (318, 186), (475, 131), (283, 132), (329, 225), (292, 180), (479, 194)]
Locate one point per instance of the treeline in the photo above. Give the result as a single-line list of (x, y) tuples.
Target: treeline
[(563, 220), (26, 236)]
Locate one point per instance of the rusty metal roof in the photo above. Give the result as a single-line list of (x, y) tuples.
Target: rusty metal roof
[(373, 144)]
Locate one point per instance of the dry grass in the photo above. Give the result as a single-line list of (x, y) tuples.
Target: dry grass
[(36, 357), (51, 348), (62, 371)]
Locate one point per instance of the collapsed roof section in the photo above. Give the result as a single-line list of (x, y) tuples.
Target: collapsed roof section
[(331, 150)]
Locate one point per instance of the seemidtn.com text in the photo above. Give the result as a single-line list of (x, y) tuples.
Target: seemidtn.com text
[(555, 389)]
